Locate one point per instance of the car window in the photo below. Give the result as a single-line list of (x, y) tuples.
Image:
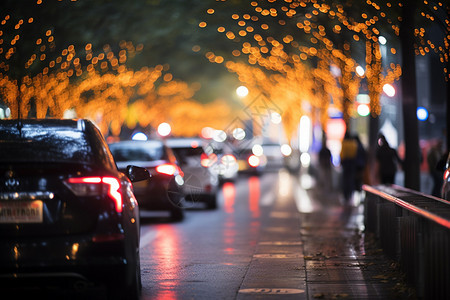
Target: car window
[(50, 145), (188, 152), (134, 153), (103, 152)]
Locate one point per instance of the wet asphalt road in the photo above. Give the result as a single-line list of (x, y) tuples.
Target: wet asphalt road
[(208, 255), (276, 236)]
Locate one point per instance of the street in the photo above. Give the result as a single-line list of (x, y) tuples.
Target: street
[(209, 254), (272, 236)]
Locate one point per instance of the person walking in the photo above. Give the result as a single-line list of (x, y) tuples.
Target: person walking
[(325, 167), (433, 157), (349, 152), (388, 160), (361, 161)]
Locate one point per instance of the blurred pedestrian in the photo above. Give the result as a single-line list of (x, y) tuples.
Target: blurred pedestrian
[(325, 167), (361, 161), (387, 159), (349, 152), (434, 155)]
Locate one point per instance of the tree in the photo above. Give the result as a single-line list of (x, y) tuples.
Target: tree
[(337, 29), (326, 36)]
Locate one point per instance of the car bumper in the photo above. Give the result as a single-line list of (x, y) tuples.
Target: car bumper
[(77, 259)]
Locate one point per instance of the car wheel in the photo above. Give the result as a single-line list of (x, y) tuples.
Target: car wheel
[(134, 290), (131, 291), (211, 202), (177, 214)]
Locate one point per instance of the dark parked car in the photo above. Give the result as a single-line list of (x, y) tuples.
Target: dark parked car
[(68, 217), (249, 162), (164, 190)]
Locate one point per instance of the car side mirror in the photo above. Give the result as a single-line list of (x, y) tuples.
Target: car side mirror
[(135, 173)]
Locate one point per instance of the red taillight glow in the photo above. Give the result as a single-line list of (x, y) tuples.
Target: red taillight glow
[(208, 160), (204, 160), (446, 174), (85, 180), (253, 161), (205, 163), (93, 186), (114, 191), (167, 169)]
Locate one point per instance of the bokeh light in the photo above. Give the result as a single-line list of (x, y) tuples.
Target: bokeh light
[(164, 129)]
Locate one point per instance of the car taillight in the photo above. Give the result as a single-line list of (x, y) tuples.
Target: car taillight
[(253, 161), (208, 160), (167, 169), (446, 174), (95, 186), (204, 160)]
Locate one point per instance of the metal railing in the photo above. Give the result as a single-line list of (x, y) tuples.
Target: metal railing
[(414, 229)]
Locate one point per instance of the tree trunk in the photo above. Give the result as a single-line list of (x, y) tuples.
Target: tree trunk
[(411, 165), (448, 86)]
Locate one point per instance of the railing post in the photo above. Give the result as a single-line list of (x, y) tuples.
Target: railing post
[(420, 262), (378, 217), (398, 238), (414, 229)]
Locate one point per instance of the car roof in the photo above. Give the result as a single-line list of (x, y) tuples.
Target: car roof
[(127, 144), (60, 124), (184, 142)]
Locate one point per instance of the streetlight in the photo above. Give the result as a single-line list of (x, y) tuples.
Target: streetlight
[(389, 89), (242, 91), (422, 113), (164, 129), (139, 136), (360, 71)]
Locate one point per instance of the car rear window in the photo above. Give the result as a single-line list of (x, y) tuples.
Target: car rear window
[(188, 152), (44, 145), (138, 153)]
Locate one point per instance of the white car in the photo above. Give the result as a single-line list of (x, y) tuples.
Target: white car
[(201, 180)]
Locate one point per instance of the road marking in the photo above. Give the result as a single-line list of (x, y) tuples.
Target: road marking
[(269, 255), (271, 291), (281, 215), (278, 229), (147, 238), (281, 243)]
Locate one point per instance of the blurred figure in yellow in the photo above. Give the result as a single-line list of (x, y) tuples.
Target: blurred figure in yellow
[(348, 162)]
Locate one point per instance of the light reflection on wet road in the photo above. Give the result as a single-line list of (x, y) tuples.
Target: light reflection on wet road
[(207, 255)]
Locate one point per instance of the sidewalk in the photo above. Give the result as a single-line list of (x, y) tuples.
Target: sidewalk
[(342, 261), (320, 253)]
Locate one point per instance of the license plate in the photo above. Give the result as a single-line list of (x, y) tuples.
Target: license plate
[(21, 211)]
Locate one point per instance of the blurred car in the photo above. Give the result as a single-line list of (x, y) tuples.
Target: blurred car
[(198, 163), (274, 155), (446, 182), (227, 167), (164, 191), (68, 217), (251, 160)]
